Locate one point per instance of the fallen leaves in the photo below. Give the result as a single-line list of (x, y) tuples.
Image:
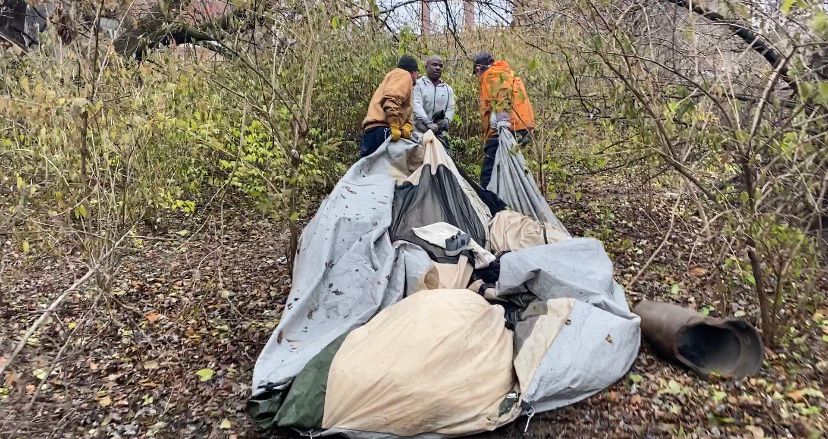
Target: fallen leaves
[(196, 337), (697, 272), (800, 394), (673, 388), (39, 373), (10, 379), (796, 395), (105, 401), (151, 365), (205, 374), (756, 432)]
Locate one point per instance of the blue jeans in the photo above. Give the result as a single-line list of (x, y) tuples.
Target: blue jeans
[(372, 138)]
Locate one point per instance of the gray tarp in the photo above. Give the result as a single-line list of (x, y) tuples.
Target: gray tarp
[(346, 269), (513, 183), (601, 338), (578, 268)]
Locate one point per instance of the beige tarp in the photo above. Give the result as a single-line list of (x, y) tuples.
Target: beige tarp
[(510, 231), (545, 320), (439, 361), (454, 276)]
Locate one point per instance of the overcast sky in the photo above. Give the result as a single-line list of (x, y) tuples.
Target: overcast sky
[(445, 12)]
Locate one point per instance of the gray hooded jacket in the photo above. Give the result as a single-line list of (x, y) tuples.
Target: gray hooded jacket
[(430, 99)]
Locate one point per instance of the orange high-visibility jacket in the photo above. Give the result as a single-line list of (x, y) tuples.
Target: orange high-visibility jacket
[(500, 90)]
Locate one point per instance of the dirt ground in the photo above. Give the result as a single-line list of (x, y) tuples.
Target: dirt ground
[(169, 352)]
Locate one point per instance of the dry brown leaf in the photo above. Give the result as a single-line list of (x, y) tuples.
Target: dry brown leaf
[(756, 432), (152, 316), (796, 395), (151, 365), (106, 401), (697, 272)]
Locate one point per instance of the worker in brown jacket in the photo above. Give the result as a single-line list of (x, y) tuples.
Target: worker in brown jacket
[(390, 109)]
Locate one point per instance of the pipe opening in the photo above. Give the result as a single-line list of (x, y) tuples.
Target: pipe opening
[(710, 348)]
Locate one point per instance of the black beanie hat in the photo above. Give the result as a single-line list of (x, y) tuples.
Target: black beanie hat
[(408, 63), (482, 58)]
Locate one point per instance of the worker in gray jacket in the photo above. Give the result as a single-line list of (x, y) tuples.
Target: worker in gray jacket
[(433, 100)]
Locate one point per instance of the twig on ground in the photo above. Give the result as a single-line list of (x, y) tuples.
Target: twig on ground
[(54, 305), (655, 253), (45, 315), (59, 355)]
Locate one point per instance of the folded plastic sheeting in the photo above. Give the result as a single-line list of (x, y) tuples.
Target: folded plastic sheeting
[(578, 268), (370, 346), (513, 183), (437, 193), (438, 234), (510, 230), (346, 269), (578, 336), (567, 350), (441, 362), (398, 374)]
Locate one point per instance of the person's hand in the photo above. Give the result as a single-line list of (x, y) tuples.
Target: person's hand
[(396, 132), (503, 120), (433, 127), (407, 128), (443, 124)]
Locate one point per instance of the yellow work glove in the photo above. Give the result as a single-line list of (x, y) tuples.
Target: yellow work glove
[(407, 129), (396, 127), (396, 132)]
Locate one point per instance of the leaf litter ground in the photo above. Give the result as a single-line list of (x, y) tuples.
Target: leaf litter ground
[(170, 350)]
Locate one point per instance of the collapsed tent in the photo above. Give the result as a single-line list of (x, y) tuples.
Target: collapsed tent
[(391, 330), (513, 183)]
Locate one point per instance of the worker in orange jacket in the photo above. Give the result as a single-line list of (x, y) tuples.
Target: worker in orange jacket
[(504, 104), (390, 110)]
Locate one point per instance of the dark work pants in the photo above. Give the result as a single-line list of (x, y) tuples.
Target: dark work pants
[(372, 138), (490, 150)]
